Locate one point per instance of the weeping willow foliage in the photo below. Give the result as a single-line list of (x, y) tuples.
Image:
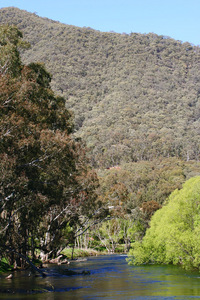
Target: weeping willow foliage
[(174, 230)]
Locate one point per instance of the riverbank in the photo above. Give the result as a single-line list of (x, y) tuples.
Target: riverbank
[(80, 253), (66, 256)]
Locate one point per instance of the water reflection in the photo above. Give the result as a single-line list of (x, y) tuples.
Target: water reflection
[(110, 278)]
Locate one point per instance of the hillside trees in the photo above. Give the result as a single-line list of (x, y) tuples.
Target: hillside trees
[(134, 191), (135, 96), (132, 184), (45, 181), (174, 230)]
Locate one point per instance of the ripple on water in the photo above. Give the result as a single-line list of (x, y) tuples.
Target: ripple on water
[(111, 278)]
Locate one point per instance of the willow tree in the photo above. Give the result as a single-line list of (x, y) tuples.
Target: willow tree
[(45, 181), (174, 231)]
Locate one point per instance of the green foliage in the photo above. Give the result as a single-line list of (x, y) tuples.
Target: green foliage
[(174, 230), (45, 181), (135, 97), (134, 191), (136, 104), (130, 185), (4, 265), (79, 253)]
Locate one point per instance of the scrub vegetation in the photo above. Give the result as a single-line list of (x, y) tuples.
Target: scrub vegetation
[(97, 129)]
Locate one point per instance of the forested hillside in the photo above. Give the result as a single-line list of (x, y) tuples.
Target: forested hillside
[(135, 97), (136, 105)]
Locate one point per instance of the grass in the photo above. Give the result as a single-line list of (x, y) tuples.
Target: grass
[(4, 266), (80, 253), (89, 252)]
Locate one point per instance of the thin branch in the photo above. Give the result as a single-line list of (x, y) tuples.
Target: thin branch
[(64, 210), (88, 219), (4, 68), (94, 223)]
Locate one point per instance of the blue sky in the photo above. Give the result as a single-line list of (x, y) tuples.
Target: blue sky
[(178, 19)]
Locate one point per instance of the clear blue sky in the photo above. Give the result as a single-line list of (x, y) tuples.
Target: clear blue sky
[(179, 19)]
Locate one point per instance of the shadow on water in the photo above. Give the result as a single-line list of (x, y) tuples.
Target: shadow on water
[(110, 278)]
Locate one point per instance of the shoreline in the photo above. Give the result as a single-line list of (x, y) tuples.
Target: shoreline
[(65, 258)]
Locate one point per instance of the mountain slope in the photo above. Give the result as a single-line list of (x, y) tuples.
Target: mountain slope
[(135, 97)]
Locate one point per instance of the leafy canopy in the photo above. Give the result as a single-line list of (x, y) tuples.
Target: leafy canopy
[(45, 181), (174, 230), (135, 96)]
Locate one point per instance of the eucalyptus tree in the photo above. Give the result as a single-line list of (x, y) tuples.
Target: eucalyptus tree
[(45, 180)]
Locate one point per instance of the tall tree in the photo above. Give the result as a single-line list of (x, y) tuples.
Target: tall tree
[(45, 181)]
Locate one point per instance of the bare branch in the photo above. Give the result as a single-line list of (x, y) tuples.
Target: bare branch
[(88, 219), (64, 210), (4, 68), (94, 223)]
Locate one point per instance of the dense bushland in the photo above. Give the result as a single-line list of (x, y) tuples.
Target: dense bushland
[(135, 97)]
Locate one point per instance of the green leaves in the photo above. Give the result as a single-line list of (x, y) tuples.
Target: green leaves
[(10, 38), (45, 181), (135, 97), (172, 236)]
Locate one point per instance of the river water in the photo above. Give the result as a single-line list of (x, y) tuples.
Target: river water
[(110, 278)]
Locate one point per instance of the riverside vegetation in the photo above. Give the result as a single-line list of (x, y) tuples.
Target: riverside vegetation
[(89, 168), (46, 185), (174, 231)]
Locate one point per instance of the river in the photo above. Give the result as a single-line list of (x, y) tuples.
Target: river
[(110, 278)]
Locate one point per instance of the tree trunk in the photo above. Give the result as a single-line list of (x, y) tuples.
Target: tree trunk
[(72, 257)]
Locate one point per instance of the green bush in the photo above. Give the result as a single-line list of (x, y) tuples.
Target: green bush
[(174, 231)]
